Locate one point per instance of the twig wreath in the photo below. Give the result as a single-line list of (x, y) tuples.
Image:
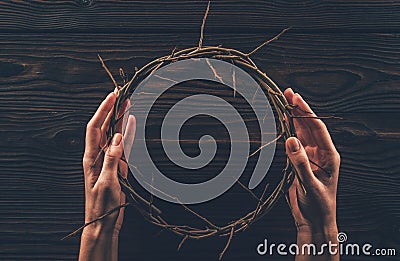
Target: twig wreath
[(285, 130)]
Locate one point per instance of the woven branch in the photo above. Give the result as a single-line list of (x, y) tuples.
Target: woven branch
[(282, 110), (285, 119)]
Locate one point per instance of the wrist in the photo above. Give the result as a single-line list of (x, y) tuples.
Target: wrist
[(97, 244), (318, 233), (96, 232), (325, 242), (319, 229)]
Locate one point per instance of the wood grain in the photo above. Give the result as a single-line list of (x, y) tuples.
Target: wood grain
[(335, 73), (50, 84), (185, 16)]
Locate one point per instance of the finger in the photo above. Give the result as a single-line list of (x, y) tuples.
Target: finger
[(106, 125), (289, 95), (292, 194), (301, 132), (111, 159), (129, 135), (293, 200), (317, 128), (104, 129), (118, 126), (310, 129), (93, 131), (125, 116), (299, 159)]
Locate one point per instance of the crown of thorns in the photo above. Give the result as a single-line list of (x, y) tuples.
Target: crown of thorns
[(285, 130)]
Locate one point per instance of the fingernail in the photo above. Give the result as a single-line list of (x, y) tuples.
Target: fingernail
[(117, 139), (293, 144)]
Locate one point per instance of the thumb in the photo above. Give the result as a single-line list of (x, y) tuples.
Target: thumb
[(300, 161), (112, 157)]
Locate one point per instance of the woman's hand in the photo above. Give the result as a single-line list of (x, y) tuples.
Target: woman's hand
[(317, 162), (101, 162)]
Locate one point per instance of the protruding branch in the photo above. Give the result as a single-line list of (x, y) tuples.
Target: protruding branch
[(227, 243), (276, 37), (203, 24), (182, 241), (95, 220), (108, 72), (266, 144)]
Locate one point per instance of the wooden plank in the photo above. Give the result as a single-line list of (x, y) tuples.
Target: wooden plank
[(49, 203), (335, 73), (177, 16), (51, 84)]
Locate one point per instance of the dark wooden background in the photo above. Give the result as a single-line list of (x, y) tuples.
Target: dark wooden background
[(342, 56)]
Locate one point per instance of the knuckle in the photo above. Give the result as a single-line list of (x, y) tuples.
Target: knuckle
[(110, 162), (110, 159), (337, 156), (301, 162), (114, 153), (333, 159), (301, 165), (86, 162), (89, 125)]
